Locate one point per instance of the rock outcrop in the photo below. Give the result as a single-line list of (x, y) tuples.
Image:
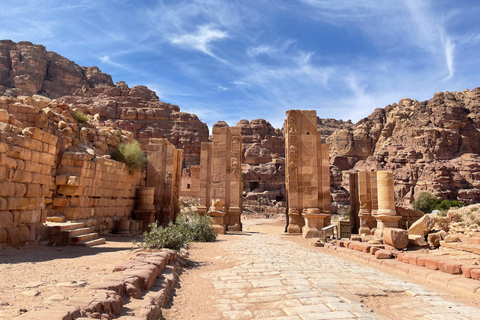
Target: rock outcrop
[(139, 111), (28, 69), (430, 146)]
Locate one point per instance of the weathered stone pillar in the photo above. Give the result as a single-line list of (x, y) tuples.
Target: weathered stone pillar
[(386, 214), (364, 192), (354, 202), (145, 208), (307, 174), (164, 173), (221, 179)]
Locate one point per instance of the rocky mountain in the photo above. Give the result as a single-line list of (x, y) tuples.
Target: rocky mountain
[(430, 146), (27, 69)]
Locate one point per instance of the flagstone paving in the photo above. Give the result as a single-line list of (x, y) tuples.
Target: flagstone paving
[(274, 278)]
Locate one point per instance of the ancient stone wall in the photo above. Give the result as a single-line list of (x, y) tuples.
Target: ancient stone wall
[(190, 184), (96, 190), (27, 158)]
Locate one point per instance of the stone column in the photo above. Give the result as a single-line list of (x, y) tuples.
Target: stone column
[(307, 174), (145, 209), (221, 179), (164, 174), (364, 192), (205, 177), (354, 202), (386, 214)]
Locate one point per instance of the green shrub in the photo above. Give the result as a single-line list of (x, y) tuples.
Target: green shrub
[(196, 227), (474, 209), (131, 155), (81, 117), (170, 237), (425, 202), (189, 227), (447, 204)]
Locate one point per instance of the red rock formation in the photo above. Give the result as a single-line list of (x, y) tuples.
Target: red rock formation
[(138, 110), (28, 69), (430, 145)]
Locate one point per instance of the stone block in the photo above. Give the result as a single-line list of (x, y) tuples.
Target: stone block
[(13, 237), (383, 254), (395, 237), (467, 268), (417, 240), (6, 219), (24, 233), (14, 203), (17, 152), (20, 190), (451, 266), (34, 190), (434, 239), (4, 147), (3, 236), (452, 238), (4, 116), (475, 274), (33, 132)]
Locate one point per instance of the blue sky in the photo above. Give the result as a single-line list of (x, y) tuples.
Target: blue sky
[(250, 59)]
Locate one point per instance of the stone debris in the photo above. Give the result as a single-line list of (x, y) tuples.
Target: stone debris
[(150, 278)]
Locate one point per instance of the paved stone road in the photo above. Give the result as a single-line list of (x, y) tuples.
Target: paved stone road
[(274, 278)]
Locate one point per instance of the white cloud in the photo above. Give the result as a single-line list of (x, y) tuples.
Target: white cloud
[(222, 88), (449, 52), (239, 83), (201, 39)]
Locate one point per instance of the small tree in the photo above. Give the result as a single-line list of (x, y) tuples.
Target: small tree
[(425, 202)]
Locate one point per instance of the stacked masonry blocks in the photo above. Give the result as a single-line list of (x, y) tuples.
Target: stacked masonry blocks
[(27, 112), (26, 162), (92, 187)]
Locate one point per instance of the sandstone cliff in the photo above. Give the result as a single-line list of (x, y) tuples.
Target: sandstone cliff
[(430, 145), (28, 69)]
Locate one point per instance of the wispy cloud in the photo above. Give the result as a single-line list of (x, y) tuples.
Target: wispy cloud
[(201, 39)]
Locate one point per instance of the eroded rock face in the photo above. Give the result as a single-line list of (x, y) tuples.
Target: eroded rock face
[(28, 69), (139, 111), (430, 146)]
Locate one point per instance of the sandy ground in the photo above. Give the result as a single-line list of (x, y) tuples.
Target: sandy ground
[(40, 277)]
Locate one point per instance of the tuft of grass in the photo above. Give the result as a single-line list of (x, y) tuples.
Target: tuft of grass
[(131, 155), (474, 209), (81, 117)]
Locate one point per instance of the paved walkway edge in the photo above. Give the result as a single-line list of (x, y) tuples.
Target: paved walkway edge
[(454, 283)]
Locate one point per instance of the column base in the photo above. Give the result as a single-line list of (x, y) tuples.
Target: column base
[(147, 216), (218, 218), (202, 210), (313, 223), (295, 223), (234, 221)]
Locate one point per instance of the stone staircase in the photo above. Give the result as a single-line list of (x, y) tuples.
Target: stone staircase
[(72, 233)]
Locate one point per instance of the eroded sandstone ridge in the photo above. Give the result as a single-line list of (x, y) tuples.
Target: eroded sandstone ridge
[(430, 145), (27, 69)]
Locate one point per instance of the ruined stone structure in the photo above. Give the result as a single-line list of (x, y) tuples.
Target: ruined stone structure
[(221, 180), (190, 184), (164, 173), (386, 215), (308, 174), (367, 194)]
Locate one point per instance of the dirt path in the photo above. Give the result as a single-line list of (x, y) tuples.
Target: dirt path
[(35, 278)]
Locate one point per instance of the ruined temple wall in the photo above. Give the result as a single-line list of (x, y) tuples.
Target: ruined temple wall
[(190, 182), (96, 190), (27, 157)]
